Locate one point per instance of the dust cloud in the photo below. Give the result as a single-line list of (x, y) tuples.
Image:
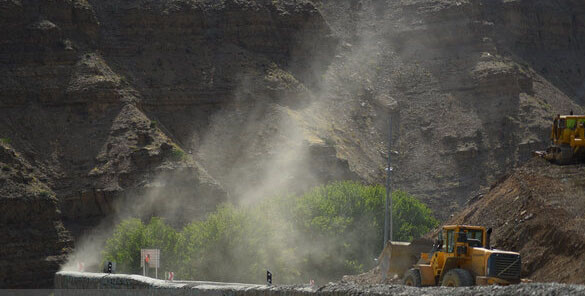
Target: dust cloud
[(262, 145)]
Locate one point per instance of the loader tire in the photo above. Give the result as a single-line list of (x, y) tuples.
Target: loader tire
[(457, 278), (412, 278)]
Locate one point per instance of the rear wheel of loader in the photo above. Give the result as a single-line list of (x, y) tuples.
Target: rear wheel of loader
[(412, 278), (457, 278)]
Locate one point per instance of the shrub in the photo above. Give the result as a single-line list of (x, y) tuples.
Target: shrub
[(177, 153), (45, 194)]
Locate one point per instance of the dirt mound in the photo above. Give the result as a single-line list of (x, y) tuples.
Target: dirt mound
[(538, 211), (372, 277)]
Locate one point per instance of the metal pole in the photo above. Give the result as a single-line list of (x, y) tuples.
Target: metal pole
[(389, 189), (388, 209)]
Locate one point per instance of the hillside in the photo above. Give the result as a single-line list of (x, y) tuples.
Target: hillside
[(471, 86), (170, 107)]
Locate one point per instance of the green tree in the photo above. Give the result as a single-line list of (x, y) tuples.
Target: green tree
[(412, 218), (344, 222), (236, 244), (132, 235), (125, 244)]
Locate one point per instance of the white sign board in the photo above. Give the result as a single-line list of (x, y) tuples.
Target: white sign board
[(153, 257)]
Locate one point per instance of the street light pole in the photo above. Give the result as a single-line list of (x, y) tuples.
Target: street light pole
[(388, 209)]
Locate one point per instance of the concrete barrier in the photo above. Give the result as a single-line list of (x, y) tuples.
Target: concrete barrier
[(83, 283)]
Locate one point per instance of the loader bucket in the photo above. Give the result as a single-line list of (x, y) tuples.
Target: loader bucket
[(398, 257)]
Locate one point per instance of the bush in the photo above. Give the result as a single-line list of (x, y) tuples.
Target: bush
[(177, 153), (331, 231), (44, 194), (5, 141)]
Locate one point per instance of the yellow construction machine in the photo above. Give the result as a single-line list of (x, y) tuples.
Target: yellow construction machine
[(461, 256), (567, 139)]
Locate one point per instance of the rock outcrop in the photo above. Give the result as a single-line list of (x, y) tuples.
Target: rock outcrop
[(34, 241)]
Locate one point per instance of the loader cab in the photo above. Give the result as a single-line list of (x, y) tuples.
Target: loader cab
[(566, 125), (474, 236)]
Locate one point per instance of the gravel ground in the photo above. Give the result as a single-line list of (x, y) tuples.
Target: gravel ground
[(521, 289)]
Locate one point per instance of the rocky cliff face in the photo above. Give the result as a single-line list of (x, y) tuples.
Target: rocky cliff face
[(106, 103), (34, 243), (170, 107)]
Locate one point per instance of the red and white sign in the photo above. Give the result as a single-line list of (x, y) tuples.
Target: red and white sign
[(151, 257), (171, 276)]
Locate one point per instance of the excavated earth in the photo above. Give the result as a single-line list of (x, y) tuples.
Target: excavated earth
[(169, 107), (536, 210)]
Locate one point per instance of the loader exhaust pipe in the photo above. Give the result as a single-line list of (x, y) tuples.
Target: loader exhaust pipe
[(487, 238)]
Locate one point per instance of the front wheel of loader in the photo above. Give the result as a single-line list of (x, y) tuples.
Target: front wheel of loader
[(412, 278), (457, 278), (565, 155)]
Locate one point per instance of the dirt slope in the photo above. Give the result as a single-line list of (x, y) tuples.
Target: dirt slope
[(538, 211)]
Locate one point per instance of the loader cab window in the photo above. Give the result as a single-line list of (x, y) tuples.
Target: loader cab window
[(476, 235), (571, 123), (450, 241)]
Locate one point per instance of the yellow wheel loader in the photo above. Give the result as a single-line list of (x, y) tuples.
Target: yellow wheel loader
[(461, 256), (567, 139)]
